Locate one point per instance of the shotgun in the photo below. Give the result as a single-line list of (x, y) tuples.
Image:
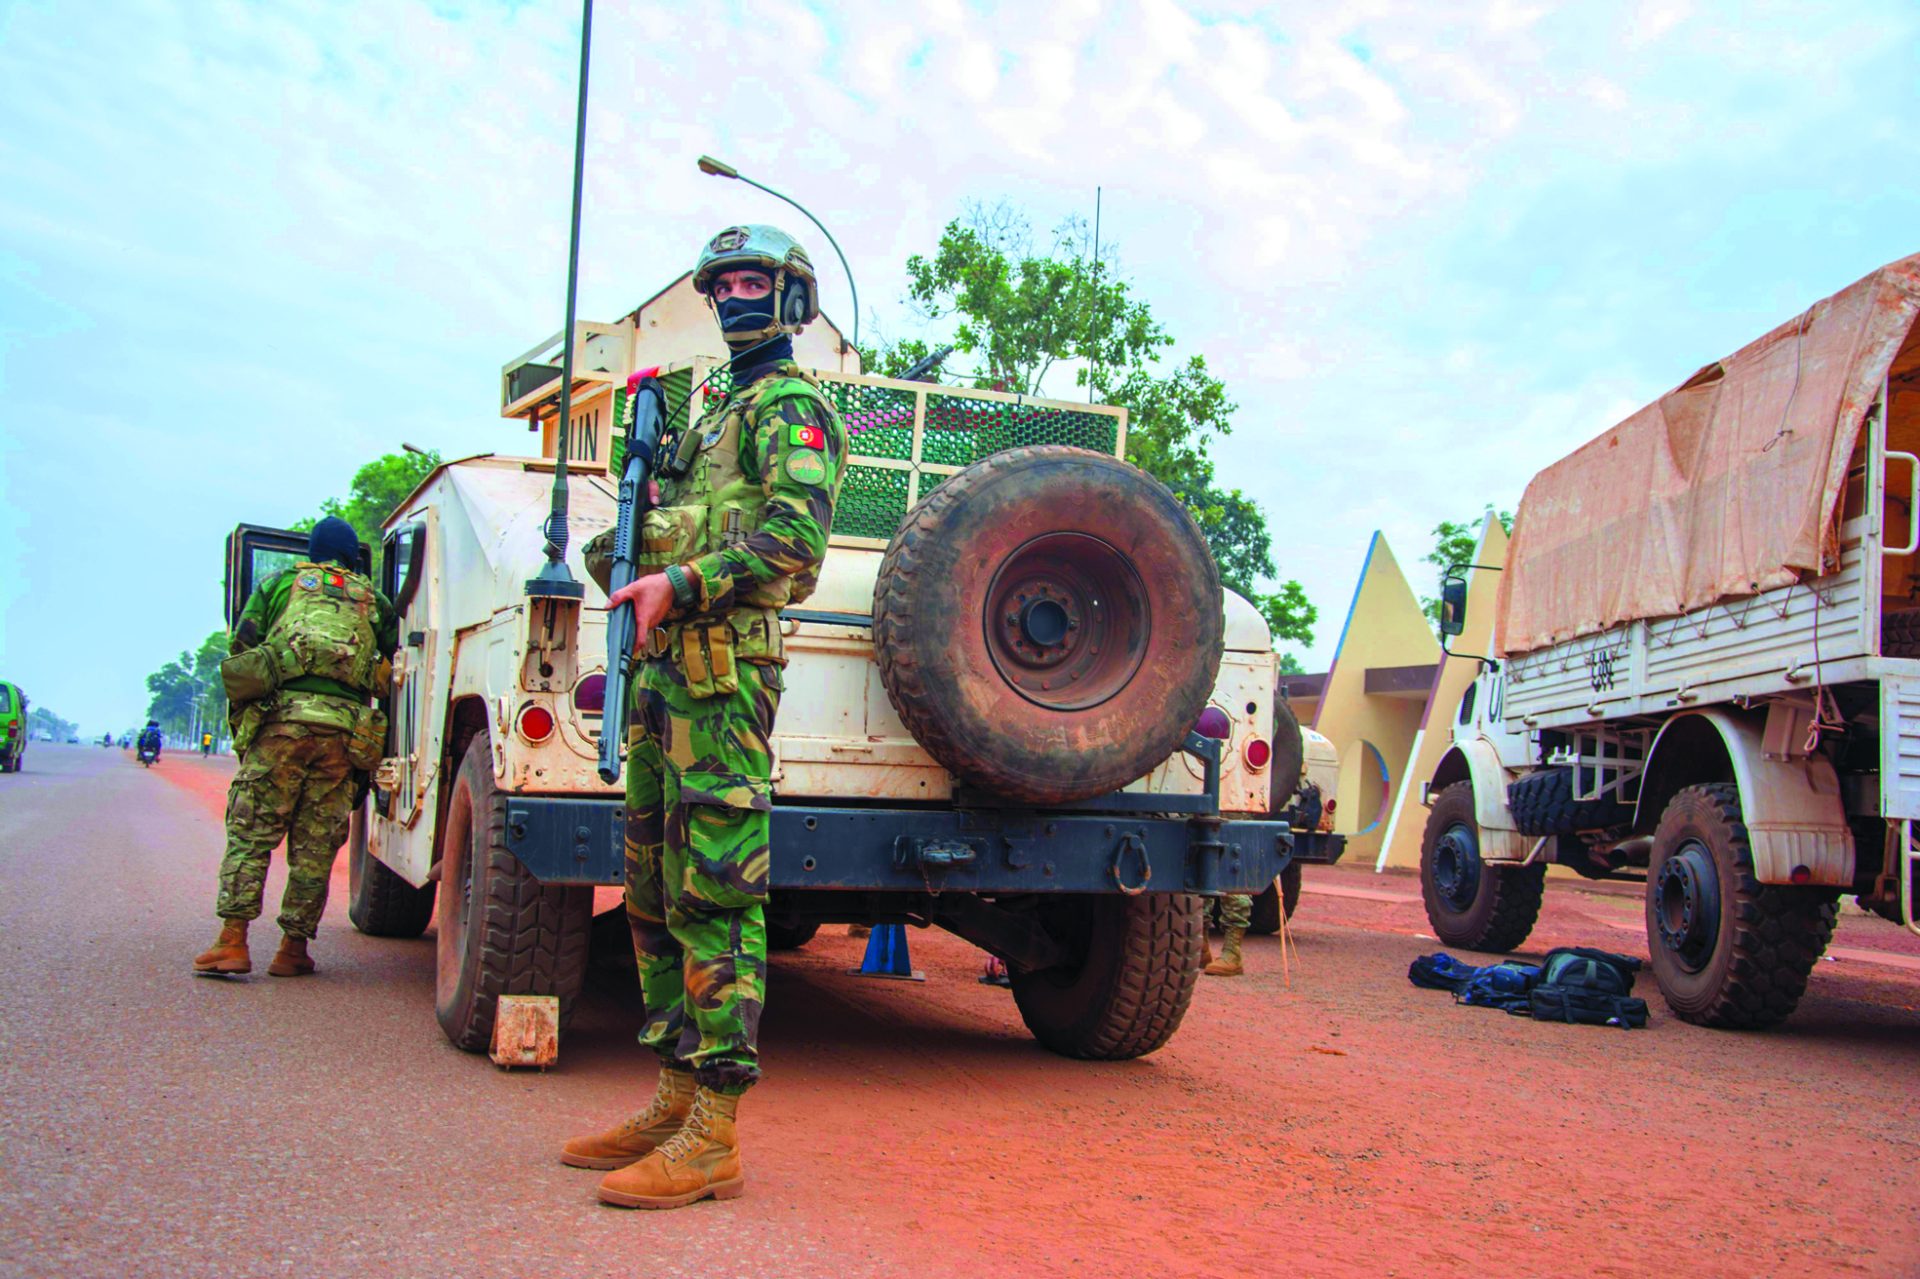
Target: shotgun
[(643, 416)]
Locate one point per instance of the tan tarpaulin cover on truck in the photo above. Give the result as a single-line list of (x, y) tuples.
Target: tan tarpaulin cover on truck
[(1724, 487)]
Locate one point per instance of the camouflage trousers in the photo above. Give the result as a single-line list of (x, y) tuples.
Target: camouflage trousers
[(294, 783), (698, 815), (1236, 910)]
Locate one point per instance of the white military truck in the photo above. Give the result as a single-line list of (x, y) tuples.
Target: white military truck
[(1009, 753), (1709, 628)]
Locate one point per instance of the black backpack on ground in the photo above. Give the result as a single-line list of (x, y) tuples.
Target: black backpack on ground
[(1595, 987)]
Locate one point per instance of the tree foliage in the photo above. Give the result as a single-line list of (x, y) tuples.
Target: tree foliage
[(378, 487), (1456, 544), (1023, 314), (40, 719), (187, 691)]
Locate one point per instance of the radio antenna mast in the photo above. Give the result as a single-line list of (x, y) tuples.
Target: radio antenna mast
[(555, 581)]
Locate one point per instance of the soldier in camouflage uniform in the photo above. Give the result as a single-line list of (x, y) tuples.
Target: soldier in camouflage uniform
[(746, 503), (1236, 913), (314, 637)]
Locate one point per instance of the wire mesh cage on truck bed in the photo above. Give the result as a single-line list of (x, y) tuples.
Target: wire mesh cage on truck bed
[(905, 437)]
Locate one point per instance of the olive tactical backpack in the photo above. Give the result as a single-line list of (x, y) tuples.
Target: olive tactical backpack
[(327, 626)]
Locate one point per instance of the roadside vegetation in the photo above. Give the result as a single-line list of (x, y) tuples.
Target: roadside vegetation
[(1020, 313), (1456, 544)]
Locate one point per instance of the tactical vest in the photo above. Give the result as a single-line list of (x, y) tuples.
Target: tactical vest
[(719, 502), (327, 625)]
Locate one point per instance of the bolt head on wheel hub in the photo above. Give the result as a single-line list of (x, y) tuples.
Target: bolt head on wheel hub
[(1456, 866), (1687, 898)]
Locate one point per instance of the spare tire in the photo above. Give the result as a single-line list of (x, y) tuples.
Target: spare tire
[(1048, 623), (1542, 803), (1289, 757)]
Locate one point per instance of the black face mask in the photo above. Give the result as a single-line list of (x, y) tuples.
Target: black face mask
[(744, 315)]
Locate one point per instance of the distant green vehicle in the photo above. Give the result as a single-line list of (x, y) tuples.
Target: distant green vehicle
[(13, 727)]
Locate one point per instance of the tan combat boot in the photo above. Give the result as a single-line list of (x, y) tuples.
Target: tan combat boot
[(291, 959), (228, 956), (702, 1159), (635, 1139), (1206, 949), (1228, 965)]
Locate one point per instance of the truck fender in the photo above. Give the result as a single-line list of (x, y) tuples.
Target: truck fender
[(1475, 759), (1791, 804)]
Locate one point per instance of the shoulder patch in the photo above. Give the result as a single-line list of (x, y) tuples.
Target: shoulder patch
[(308, 581), (806, 436), (807, 467)]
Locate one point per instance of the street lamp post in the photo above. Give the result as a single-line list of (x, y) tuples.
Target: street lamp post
[(720, 169)]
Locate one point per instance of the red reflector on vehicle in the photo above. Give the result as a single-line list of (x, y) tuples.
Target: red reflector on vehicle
[(1800, 875), (536, 722), (590, 695), (1213, 722), (1258, 753)]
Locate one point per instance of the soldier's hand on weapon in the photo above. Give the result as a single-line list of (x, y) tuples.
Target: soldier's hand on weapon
[(651, 597)]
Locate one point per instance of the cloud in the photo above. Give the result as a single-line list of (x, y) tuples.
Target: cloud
[(1430, 248)]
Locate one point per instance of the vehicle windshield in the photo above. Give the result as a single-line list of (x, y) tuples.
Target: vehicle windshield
[(268, 561)]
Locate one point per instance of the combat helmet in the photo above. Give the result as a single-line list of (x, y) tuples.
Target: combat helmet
[(796, 291)]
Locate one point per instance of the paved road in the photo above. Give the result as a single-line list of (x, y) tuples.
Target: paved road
[(1324, 1118)]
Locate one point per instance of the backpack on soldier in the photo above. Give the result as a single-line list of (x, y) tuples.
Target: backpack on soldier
[(327, 626)]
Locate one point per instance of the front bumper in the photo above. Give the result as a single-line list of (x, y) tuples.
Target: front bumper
[(578, 841), (1318, 848)]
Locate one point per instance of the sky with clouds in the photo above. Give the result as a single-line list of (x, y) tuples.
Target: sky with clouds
[(1430, 247)]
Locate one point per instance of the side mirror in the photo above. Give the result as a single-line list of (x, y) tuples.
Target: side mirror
[(1453, 606), (400, 563)]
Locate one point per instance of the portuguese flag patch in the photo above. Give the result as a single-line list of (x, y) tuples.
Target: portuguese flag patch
[(806, 437)]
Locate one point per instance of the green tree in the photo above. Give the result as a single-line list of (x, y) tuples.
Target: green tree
[(39, 718), (1022, 313), (378, 487), (187, 691), (1456, 544)]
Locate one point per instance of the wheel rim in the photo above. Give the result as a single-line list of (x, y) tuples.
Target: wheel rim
[(1067, 621), (1456, 866), (1687, 905)]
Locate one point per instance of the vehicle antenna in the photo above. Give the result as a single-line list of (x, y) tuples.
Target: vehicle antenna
[(555, 581), (1095, 359), (720, 169)]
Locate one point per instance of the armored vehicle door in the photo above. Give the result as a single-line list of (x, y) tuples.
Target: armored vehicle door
[(255, 553), (403, 569)]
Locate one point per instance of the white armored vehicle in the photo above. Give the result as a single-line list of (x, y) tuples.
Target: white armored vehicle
[(1010, 753), (1709, 623)]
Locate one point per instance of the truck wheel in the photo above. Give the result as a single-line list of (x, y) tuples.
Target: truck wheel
[(1900, 634), (1140, 961), (379, 902), (1283, 894), (1728, 951), (501, 931), (1289, 758), (1469, 903), (790, 936), (1048, 623), (1543, 804)]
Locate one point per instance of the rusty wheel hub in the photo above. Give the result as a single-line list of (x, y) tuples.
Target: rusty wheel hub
[(1067, 621)]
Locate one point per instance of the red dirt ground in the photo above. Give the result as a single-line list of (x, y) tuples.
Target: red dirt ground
[(1326, 1118)]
